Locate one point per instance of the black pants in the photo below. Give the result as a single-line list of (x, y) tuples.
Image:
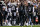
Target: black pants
[(34, 17), (39, 18), (22, 20), (1, 22), (1, 19)]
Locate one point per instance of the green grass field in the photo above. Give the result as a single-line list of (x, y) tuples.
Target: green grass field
[(20, 26)]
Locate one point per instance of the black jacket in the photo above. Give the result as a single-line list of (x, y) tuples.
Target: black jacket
[(21, 10), (4, 13)]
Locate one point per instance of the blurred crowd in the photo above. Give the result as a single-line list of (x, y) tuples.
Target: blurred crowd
[(17, 12)]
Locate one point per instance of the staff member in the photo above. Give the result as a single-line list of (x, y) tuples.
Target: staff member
[(4, 13), (21, 14)]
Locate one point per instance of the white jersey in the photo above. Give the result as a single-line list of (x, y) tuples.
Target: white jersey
[(14, 13), (9, 9), (6, 9), (17, 9), (13, 8)]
